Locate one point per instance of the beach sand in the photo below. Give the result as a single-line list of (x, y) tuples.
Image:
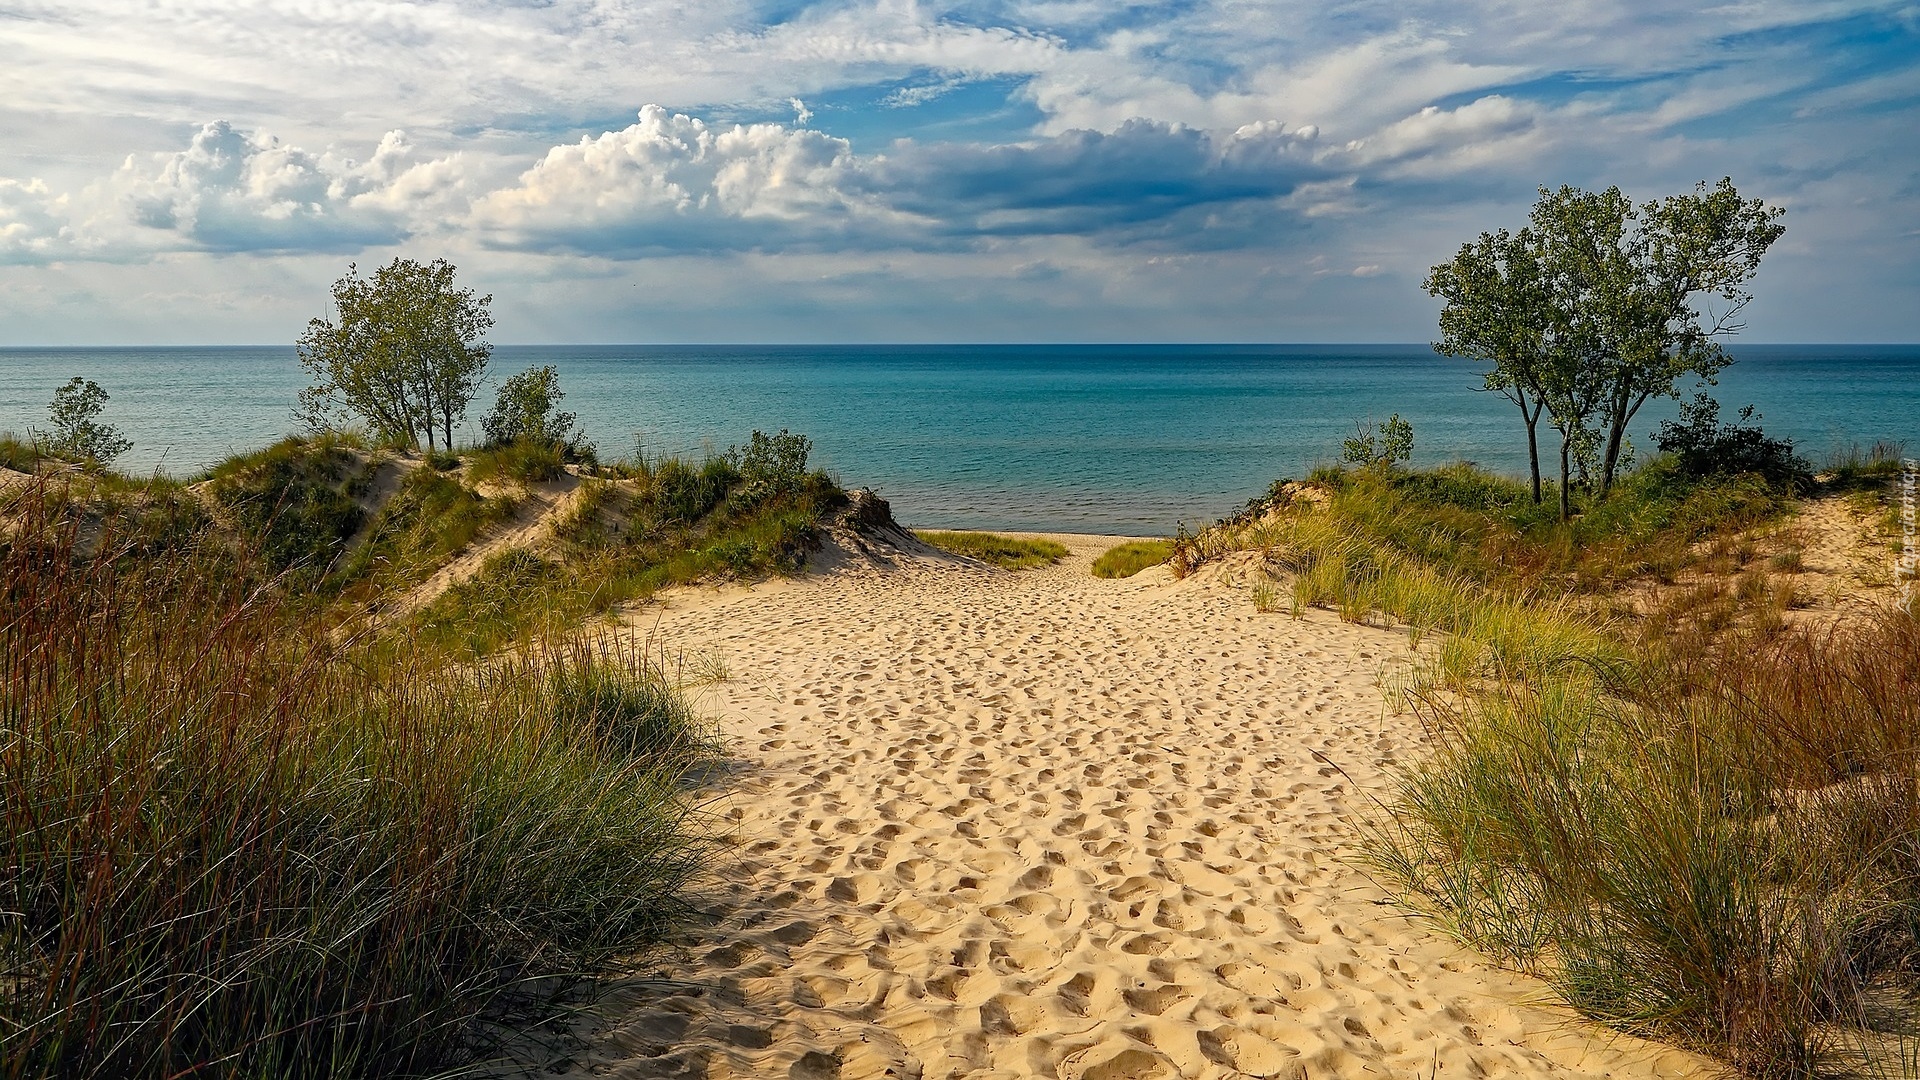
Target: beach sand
[(1037, 824)]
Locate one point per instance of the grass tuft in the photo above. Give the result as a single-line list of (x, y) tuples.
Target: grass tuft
[(1128, 559), (1005, 552)]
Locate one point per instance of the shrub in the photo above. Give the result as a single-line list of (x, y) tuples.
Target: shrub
[(77, 434), (1128, 559), (526, 409), (770, 466), (233, 847), (1379, 448), (1005, 552), (293, 502), (1706, 447)]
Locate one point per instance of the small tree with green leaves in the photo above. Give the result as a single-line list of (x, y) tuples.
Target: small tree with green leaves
[(1652, 289), (770, 465), (77, 434), (1379, 447), (526, 409), (404, 353)]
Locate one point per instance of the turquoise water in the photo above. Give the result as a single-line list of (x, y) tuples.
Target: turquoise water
[(1087, 438)]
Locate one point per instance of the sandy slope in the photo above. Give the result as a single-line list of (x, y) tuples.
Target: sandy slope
[(1009, 825)]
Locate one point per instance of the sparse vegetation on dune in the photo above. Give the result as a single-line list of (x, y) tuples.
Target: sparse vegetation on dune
[(1722, 852), (1005, 552), (235, 847), (650, 525), (1695, 818), (1128, 559), (248, 833)]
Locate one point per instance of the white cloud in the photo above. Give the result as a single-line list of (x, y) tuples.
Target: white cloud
[(673, 182), (1365, 131), (33, 225)]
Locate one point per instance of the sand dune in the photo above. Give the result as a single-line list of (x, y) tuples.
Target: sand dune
[(1014, 825)]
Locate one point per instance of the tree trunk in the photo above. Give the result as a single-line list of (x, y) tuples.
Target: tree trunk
[(1533, 451), (1616, 437), (1616, 430), (1566, 509)]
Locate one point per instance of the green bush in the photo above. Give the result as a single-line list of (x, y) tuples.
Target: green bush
[(526, 410), (1703, 446)]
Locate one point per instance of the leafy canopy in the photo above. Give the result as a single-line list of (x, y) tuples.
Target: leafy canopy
[(404, 353), (77, 434), (526, 409)]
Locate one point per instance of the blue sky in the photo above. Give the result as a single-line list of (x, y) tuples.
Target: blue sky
[(1030, 170)]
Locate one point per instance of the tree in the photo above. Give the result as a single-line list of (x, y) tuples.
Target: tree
[(524, 410), (404, 352), (1497, 311), (1379, 448), (1589, 312), (1630, 279), (77, 434)]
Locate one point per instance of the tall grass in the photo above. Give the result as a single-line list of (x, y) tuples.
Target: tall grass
[(1491, 633), (233, 847), (1696, 822), (1723, 852)]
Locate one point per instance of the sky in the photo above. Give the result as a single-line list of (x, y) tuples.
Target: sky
[(199, 171)]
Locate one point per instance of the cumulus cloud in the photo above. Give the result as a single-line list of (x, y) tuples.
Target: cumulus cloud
[(33, 221), (671, 182), (233, 191), (1368, 133)]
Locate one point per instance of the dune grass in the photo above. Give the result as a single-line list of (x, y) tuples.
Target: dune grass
[(664, 522), (1722, 852), (1005, 552), (523, 462), (234, 847), (1128, 559), (1696, 821), (18, 454)]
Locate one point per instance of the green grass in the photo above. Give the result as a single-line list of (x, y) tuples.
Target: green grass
[(664, 523), (1696, 822), (1005, 552), (294, 502), (1128, 559), (18, 454), (234, 847), (1718, 852), (515, 463), (431, 517)]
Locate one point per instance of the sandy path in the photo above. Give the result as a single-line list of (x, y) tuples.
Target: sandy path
[(1000, 825)]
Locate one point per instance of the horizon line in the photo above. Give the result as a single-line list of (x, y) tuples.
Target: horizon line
[(886, 344)]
